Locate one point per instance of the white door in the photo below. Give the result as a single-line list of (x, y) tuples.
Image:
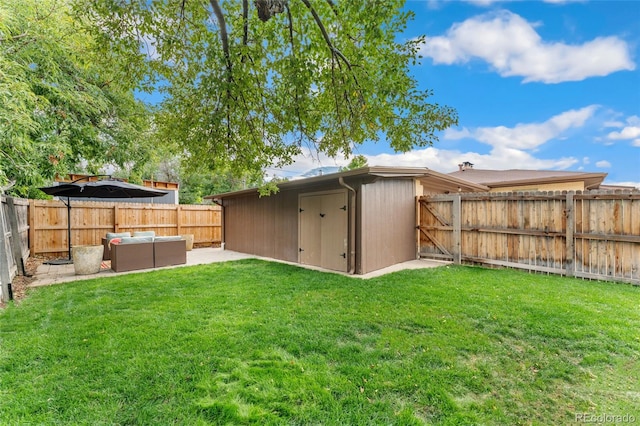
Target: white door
[(324, 230)]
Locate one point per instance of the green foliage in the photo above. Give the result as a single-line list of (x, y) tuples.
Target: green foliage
[(356, 162), (194, 186), (242, 94), (62, 107), (252, 342), (195, 183)]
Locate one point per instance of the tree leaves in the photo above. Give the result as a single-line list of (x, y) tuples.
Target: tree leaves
[(62, 107), (244, 92)]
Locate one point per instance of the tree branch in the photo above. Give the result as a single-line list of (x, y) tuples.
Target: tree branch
[(334, 50), (15, 37), (224, 36), (333, 7), (293, 54), (335, 95), (245, 21)]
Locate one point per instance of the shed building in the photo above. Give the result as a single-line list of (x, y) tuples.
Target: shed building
[(355, 221)]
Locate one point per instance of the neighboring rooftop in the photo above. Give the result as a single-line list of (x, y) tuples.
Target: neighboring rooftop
[(520, 177)]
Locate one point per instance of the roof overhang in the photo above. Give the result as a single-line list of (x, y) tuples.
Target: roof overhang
[(591, 180), (426, 176)]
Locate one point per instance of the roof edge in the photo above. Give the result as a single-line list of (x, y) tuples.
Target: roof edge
[(378, 171), (595, 177)]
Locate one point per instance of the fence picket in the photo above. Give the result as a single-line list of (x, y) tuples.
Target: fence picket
[(90, 221), (591, 234)]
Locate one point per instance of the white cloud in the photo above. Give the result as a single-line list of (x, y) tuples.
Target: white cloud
[(441, 160), (513, 48), (511, 148), (634, 120), (527, 135), (483, 2), (564, 1), (629, 131), (508, 147), (613, 124), (306, 161), (446, 161), (454, 134)]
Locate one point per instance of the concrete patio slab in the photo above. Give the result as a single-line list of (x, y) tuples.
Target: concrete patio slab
[(57, 274)]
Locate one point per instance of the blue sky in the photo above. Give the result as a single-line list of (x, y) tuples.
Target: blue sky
[(551, 85)]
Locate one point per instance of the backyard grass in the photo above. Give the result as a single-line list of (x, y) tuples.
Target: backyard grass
[(252, 342)]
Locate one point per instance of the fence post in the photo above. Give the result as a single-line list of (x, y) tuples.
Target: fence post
[(418, 223), (16, 243), (456, 219), (31, 217), (569, 240), (116, 218), (5, 276), (179, 219)]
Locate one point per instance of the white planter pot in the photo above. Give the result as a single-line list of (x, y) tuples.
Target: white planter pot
[(87, 259), (189, 239)]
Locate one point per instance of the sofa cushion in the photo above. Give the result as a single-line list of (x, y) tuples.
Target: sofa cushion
[(136, 240), (144, 233), (168, 238), (112, 235)]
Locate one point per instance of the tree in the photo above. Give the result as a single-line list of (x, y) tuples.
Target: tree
[(356, 162), (62, 107), (195, 183), (249, 86)]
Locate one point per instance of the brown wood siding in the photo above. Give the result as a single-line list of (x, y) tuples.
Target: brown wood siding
[(387, 224), (266, 226)]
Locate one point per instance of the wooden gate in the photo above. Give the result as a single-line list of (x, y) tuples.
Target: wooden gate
[(436, 236)]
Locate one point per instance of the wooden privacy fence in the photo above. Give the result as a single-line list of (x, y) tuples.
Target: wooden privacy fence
[(90, 221), (14, 247), (591, 234)]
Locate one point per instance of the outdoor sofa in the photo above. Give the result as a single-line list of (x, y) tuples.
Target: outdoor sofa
[(145, 252), (106, 242)]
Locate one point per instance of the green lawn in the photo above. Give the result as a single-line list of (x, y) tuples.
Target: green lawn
[(253, 342)]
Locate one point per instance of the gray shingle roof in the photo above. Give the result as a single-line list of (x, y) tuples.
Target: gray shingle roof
[(497, 178)]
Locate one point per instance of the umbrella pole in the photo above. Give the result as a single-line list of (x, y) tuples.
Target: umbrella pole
[(68, 260), (69, 226)]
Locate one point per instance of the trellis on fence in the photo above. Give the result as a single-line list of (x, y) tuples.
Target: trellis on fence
[(90, 221), (594, 234)]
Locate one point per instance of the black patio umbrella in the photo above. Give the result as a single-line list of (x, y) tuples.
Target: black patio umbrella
[(107, 188)]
